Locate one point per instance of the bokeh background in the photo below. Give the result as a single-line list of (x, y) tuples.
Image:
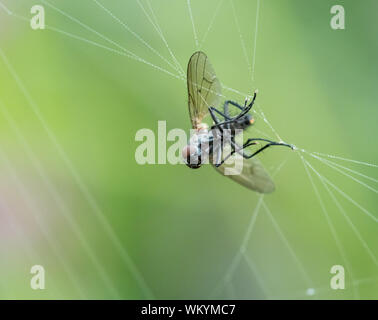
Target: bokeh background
[(74, 200)]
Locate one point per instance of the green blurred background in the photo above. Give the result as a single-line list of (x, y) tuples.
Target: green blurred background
[(104, 227)]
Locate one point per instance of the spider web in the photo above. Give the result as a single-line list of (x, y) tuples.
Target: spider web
[(316, 166)]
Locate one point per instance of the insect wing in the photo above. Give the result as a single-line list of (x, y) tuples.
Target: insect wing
[(253, 175), (204, 89)]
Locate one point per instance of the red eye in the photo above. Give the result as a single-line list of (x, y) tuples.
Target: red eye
[(188, 150)]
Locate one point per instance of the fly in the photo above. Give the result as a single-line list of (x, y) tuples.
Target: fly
[(204, 92)]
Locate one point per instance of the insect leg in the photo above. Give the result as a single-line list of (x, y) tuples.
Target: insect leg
[(239, 149), (236, 148), (226, 114), (215, 119), (248, 142), (261, 139), (225, 122), (249, 107), (265, 147), (235, 104), (251, 142), (219, 112)]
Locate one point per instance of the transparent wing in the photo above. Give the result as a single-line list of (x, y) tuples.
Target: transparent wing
[(253, 175), (204, 88)]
